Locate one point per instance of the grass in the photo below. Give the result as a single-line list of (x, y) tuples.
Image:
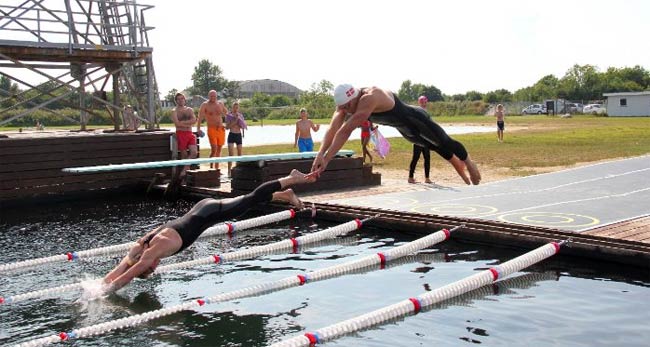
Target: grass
[(531, 142)]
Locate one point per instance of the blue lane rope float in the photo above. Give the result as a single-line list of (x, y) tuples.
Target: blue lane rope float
[(256, 290), (413, 305), (216, 259), (219, 229), (183, 162)]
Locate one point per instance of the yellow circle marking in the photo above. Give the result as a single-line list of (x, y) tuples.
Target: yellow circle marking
[(455, 209), (380, 201), (570, 220)]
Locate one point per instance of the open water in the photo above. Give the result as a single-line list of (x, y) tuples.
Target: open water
[(560, 302)]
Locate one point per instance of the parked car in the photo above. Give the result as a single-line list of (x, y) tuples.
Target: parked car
[(534, 109), (594, 109), (575, 107)]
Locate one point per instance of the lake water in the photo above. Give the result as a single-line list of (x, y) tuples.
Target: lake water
[(559, 302), (284, 134)]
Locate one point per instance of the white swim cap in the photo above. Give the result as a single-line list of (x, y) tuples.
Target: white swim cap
[(343, 93)]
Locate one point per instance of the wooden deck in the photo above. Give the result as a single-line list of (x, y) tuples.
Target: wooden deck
[(31, 162), (637, 229)]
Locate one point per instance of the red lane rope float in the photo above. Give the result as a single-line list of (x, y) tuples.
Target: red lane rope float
[(220, 229), (250, 253), (263, 288), (415, 304)]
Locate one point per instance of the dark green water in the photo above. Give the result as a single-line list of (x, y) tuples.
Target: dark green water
[(560, 302)]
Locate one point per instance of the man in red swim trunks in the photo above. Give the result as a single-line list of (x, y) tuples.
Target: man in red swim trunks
[(184, 118)]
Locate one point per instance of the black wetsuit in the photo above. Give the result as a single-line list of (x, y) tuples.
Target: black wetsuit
[(416, 126), (208, 212)]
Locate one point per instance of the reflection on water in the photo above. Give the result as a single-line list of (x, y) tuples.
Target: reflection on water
[(562, 301)]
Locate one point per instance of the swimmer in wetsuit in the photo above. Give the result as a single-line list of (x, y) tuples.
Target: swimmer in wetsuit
[(175, 236), (354, 106)]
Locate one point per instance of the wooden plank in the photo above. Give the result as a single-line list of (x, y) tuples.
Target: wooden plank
[(134, 152), (70, 162), (333, 179), (49, 173), (80, 147), (19, 182), (101, 138)]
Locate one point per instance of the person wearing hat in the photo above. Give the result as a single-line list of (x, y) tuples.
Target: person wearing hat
[(304, 126), (354, 106)]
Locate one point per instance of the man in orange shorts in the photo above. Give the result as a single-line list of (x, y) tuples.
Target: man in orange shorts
[(213, 112), (184, 118)]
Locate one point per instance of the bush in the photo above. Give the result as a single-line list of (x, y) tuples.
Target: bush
[(457, 108)]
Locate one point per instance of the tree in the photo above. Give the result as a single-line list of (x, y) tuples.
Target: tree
[(171, 95), (208, 76), (473, 95), (8, 91), (280, 100), (405, 92), (432, 93)]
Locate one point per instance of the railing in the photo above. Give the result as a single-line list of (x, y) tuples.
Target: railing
[(79, 24)]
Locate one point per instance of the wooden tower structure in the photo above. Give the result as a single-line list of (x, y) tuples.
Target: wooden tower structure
[(77, 47)]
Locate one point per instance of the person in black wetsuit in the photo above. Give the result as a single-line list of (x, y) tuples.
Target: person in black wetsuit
[(175, 236), (354, 106)]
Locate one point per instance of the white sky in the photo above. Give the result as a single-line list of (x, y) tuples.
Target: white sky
[(455, 45)]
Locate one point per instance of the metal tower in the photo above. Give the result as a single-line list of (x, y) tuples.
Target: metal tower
[(93, 42)]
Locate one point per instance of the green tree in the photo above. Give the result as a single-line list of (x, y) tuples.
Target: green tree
[(432, 93), (473, 95), (171, 95), (208, 76), (280, 100), (8, 92), (405, 92)]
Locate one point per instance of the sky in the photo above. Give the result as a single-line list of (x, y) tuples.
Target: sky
[(457, 46)]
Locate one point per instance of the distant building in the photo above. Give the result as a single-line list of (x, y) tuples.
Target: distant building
[(628, 103), (266, 86)]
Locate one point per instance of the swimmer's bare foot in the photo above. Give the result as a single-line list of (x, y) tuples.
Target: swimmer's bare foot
[(459, 165), (412, 180), (289, 196), (427, 180), (299, 177), (473, 171)]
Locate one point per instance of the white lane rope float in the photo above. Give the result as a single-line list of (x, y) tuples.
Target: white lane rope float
[(293, 243), (227, 228), (378, 259), (415, 304), (183, 162)]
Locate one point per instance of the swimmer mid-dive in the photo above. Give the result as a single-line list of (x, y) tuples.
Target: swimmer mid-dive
[(175, 236), (383, 107)]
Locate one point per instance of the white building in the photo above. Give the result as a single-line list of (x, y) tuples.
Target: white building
[(628, 103)]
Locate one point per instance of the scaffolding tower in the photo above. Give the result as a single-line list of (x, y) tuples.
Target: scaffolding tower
[(94, 42)]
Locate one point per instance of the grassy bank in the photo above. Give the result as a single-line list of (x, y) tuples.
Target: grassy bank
[(530, 142)]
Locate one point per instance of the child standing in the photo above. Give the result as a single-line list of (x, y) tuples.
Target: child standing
[(500, 115)]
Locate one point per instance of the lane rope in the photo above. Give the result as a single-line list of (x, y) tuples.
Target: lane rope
[(216, 259), (260, 289), (220, 229), (413, 305)]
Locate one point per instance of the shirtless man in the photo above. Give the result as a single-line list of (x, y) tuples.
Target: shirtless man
[(354, 106), (303, 132), (213, 112), (184, 118), (175, 236)]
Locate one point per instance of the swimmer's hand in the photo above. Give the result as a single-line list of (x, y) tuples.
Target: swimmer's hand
[(319, 165)]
